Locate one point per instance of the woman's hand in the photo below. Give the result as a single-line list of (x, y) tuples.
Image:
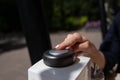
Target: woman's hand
[(79, 44)]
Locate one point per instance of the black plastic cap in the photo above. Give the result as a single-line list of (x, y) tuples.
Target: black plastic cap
[(58, 58)]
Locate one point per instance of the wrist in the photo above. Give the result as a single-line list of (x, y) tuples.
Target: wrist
[(99, 59)]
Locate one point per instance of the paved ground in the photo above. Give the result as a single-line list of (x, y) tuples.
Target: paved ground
[(15, 62)]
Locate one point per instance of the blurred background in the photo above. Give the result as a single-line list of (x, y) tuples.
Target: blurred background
[(62, 17), (63, 14)]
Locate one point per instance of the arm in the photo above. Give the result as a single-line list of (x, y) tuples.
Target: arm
[(111, 45)]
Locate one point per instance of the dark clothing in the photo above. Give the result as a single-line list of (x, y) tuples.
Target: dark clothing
[(111, 45)]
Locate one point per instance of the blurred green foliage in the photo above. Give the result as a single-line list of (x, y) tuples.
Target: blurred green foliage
[(61, 14), (73, 14)]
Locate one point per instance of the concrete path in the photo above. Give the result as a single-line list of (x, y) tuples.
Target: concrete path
[(15, 63)]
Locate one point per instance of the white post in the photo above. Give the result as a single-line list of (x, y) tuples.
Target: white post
[(80, 70)]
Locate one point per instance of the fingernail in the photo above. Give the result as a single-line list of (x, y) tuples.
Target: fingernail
[(57, 46), (67, 48)]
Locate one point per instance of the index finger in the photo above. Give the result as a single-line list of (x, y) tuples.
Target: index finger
[(70, 41)]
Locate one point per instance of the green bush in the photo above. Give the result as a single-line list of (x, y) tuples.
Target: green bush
[(61, 14), (73, 14), (75, 23)]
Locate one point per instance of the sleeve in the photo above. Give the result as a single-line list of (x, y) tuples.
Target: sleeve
[(111, 45)]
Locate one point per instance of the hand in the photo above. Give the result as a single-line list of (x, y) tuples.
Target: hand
[(79, 44)]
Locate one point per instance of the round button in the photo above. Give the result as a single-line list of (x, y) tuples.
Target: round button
[(58, 52), (58, 58)]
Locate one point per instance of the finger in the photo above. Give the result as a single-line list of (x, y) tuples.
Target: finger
[(81, 46), (64, 45), (76, 47), (69, 41), (84, 46), (80, 38)]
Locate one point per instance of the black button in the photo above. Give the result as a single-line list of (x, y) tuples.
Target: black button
[(58, 58)]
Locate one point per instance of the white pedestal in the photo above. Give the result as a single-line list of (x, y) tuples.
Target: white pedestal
[(78, 71)]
